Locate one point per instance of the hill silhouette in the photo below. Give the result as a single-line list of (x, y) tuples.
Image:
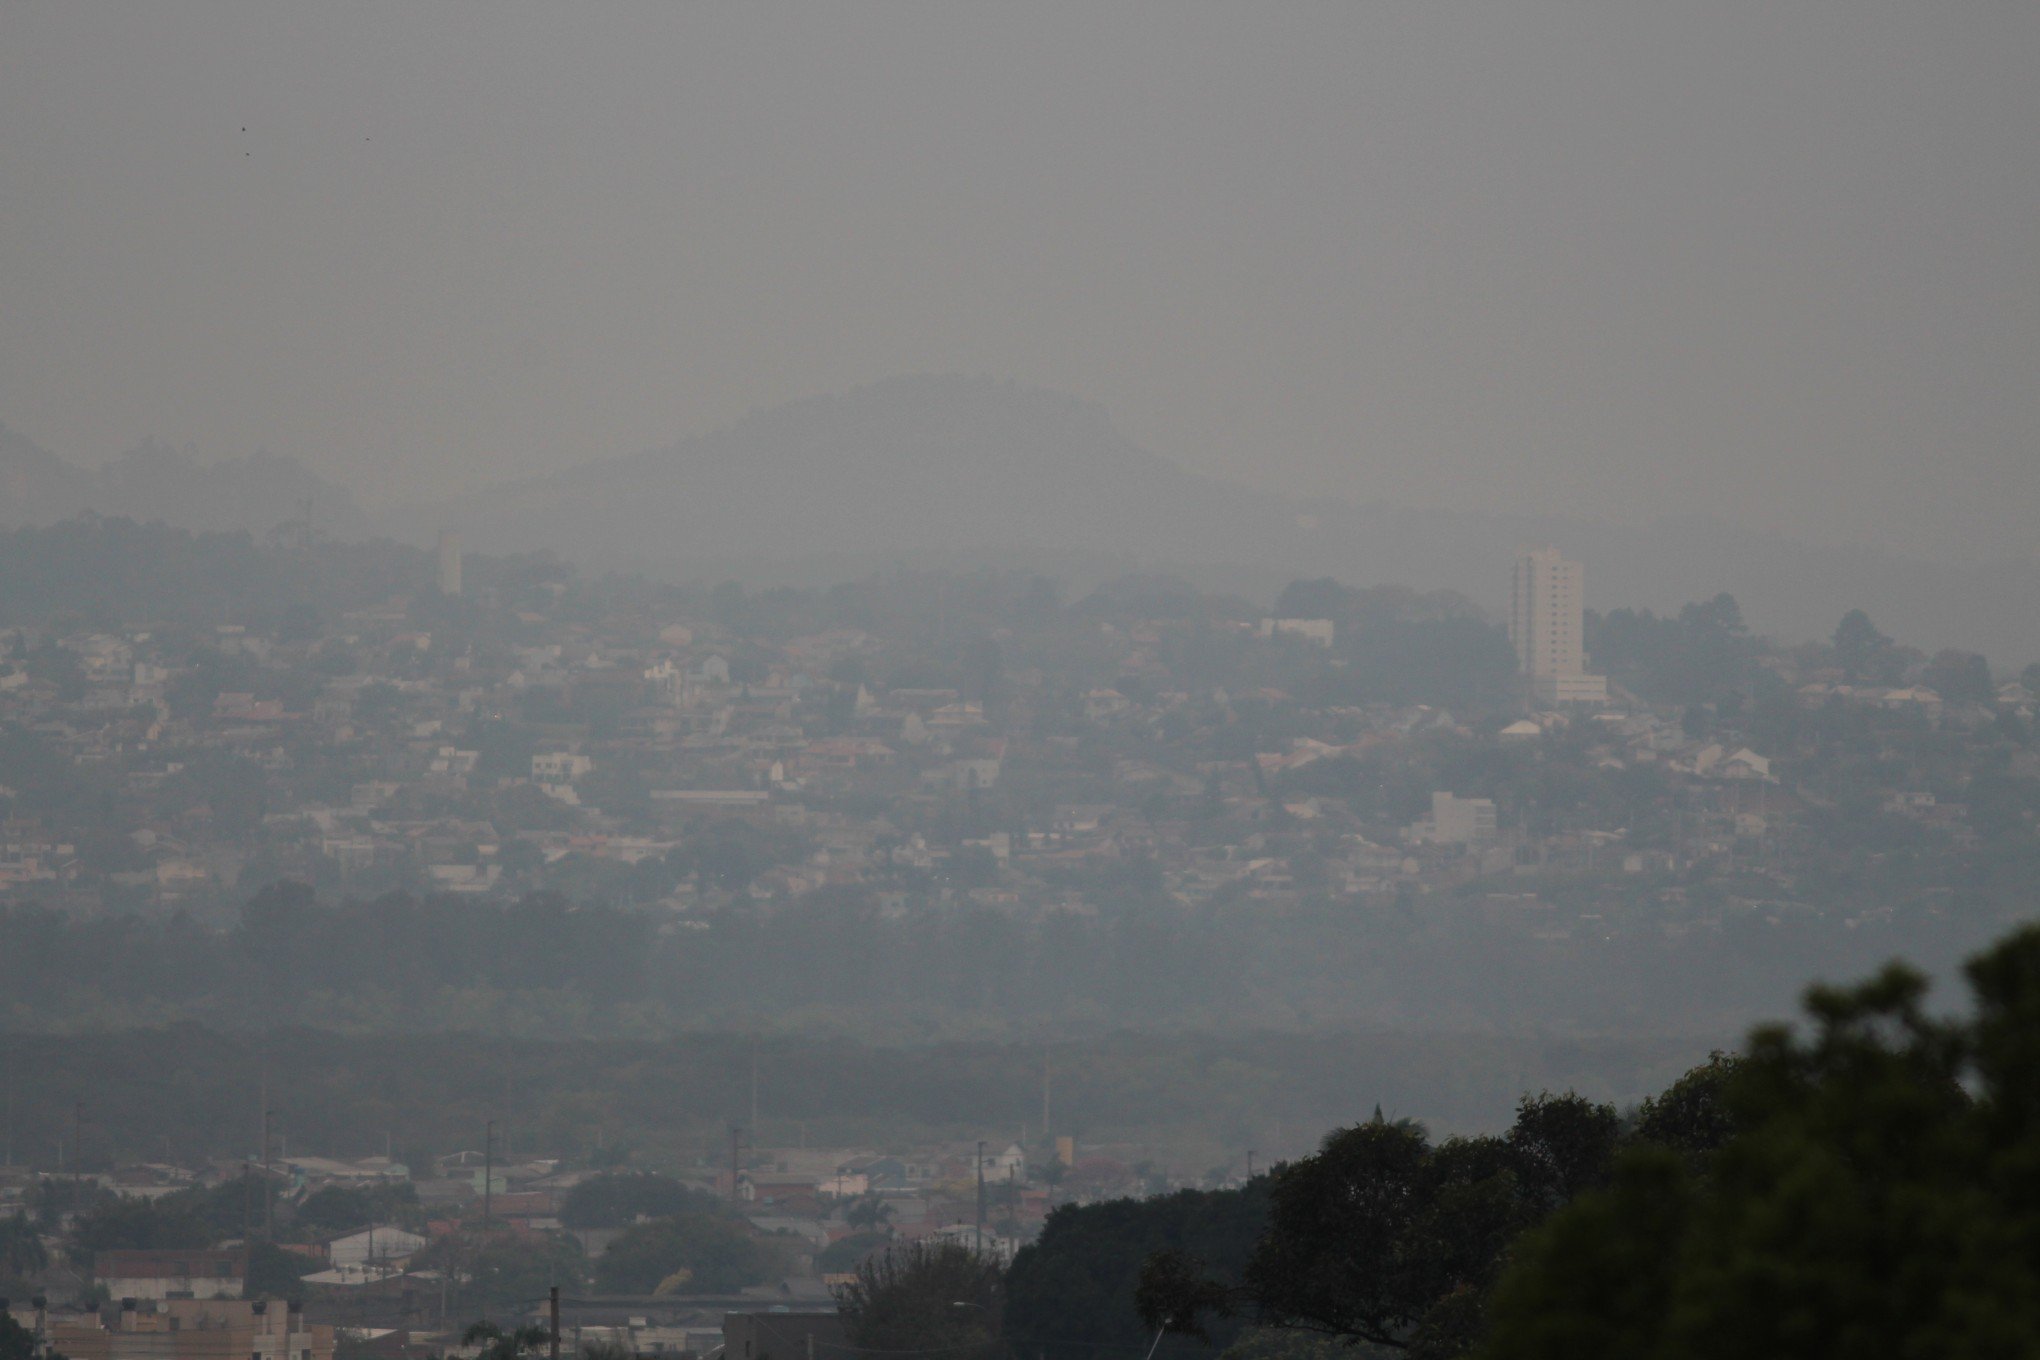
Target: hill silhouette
[(154, 482), (949, 470)]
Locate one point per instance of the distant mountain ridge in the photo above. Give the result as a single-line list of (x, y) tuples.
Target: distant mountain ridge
[(953, 470), (154, 482)]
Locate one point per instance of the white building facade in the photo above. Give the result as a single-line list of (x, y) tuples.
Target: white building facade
[(1547, 609)]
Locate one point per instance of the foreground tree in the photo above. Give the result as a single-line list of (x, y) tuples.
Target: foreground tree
[(1384, 1239), (1881, 1197), (1080, 1285)]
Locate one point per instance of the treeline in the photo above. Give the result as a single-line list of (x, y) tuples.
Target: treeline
[(1861, 1184), (669, 1237), (104, 573), (1195, 1103), (836, 960)]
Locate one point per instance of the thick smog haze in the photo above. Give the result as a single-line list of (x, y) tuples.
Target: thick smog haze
[(1037, 681), (1777, 265)]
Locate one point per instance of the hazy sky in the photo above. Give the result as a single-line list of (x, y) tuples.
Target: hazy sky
[(1776, 262)]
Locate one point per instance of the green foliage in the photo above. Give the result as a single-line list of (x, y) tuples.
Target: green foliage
[(1596, 1279), (925, 1296), (695, 1252), (227, 1209), (1283, 1343), (51, 1197), (121, 572), (1561, 1145), (845, 1253), (1700, 656), (1400, 646), (501, 1270), (867, 1211), (494, 1343), (274, 1273), (337, 1209), (1345, 1252), (1880, 1195), (1961, 677), (136, 1225), (618, 1198), (16, 1341), (1692, 1115), (1863, 653), (21, 1248), (1079, 1283), (1382, 1239)]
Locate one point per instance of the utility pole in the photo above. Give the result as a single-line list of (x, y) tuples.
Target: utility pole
[(1047, 1130), (488, 1170), (1250, 1164), (268, 1180), (553, 1304), (981, 1196), (736, 1160)]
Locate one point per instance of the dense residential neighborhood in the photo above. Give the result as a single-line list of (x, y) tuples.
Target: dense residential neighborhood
[(316, 1256), (692, 754)]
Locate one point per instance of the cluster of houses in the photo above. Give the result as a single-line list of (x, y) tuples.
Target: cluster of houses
[(390, 1287), (580, 755)]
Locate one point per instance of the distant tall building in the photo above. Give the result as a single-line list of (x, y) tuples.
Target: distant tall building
[(449, 563), (1546, 622)]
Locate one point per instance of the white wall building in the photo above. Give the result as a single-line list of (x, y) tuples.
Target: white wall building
[(449, 563), (559, 767), (373, 1244), (1547, 625), (1460, 821)]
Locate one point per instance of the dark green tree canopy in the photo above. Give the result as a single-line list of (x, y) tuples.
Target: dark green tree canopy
[(694, 1252), (927, 1296), (616, 1199), (1878, 1195)]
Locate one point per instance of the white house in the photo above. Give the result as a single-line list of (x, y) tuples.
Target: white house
[(381, 1243)]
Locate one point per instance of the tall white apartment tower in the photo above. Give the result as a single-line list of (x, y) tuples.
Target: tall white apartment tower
[(449, 562), (1546, 612)]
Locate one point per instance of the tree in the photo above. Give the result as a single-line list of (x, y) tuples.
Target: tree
[(1961, 677), (16, 1341), (869, 1212), (617, 1198), (688, 1253), (1861, 651), (1382, 1239), (1562, 1145), (1347, 1252), (499, 1270), (136, 1225), (518, 1343), (274, 1273), (1080, 1281), (21, 1248), (1880, 1195), (845, 1253), (1691, 1115), (338, 1209), (925, 1296)]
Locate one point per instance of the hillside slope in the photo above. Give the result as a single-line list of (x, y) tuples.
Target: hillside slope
[(948, 470)]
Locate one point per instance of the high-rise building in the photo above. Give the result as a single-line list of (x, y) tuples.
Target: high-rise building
[(449, 563), (1547, 625)]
